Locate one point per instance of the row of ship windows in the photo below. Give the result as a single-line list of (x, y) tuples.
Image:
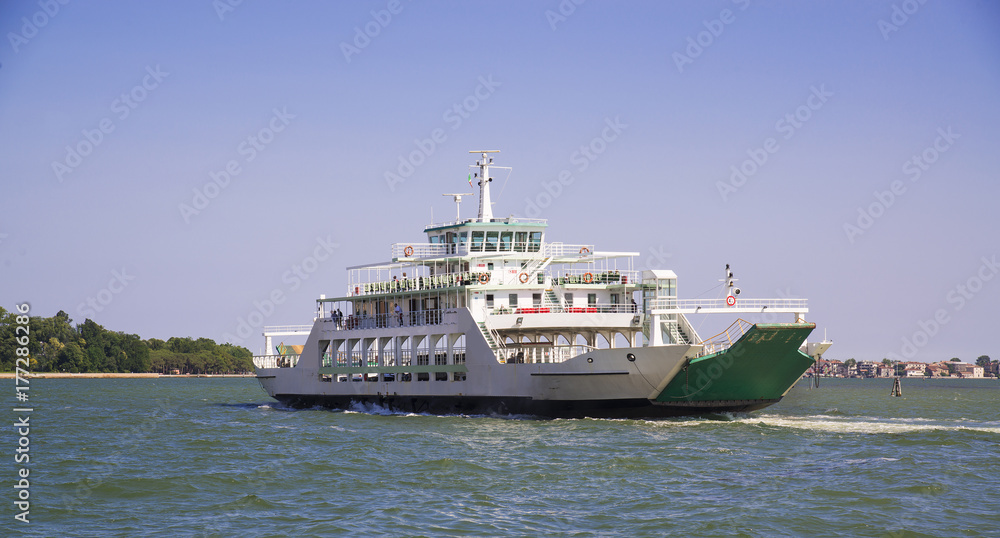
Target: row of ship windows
[(536, 299), (498, 241), (390, 378)]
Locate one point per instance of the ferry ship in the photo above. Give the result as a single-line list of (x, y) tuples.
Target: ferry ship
[(487, 316)]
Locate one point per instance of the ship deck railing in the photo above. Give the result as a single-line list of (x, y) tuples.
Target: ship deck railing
[(725, 339), (591, 276), (474, 278), (383, 321), (275, 361), (541, 353), (497, 246), (553, 309), (672, 305)]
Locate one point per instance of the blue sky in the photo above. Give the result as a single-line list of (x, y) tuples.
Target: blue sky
[(823, 105)]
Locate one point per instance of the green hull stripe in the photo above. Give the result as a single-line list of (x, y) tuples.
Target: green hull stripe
[(762, 364)]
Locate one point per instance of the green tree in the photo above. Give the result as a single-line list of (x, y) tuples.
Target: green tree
[(72, 359), (984, 361), (956, 359)]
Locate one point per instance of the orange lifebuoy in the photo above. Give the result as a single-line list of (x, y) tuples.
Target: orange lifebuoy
[(584, 251), (484, 278), (408, 251), (588, 278), (524, 278)]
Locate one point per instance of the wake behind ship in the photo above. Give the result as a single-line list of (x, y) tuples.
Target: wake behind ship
[(488, 317)]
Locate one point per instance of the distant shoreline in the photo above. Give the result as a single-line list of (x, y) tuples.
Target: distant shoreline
[(92, 375)]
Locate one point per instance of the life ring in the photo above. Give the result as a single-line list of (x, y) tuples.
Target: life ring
[(523, 278), (588, 278), (730, 300), (584, 251), (408, 251), (484, 278)]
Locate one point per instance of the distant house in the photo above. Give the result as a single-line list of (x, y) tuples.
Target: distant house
[(868, 369), (964, 369), (938, 369), (886, 371)]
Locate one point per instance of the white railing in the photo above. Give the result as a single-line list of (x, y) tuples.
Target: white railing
[(422, 250), (381, 321), (274, 330), (547, 308), (275, 361), (783, 305), (534, 354), (592, 276), (563, 250)]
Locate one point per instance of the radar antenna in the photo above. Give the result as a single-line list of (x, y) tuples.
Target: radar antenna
[(457, 196)]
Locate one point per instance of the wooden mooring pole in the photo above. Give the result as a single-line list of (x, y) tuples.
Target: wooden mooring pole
[(897, 389)]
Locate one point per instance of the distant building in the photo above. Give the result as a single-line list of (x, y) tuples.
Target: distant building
[(868, 369), (964, 369), (938, 369)]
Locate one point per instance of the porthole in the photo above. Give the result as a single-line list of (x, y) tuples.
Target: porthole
[(630, 357)]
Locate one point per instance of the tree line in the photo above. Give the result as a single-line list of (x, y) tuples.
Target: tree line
[(56, 345)]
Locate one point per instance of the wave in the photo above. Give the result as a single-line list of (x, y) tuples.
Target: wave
[(868, 425)]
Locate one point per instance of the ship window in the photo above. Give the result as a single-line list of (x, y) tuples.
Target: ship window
[(512, 300), (505, 240), (477, 241), (491, 241), (489, 301), (536, 299), (568, 297), (435, 239), (520, 241), (614, 298), (591, 299), (536, 242), (463, 238)]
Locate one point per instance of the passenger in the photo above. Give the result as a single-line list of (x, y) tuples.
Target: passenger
[(399, 313)]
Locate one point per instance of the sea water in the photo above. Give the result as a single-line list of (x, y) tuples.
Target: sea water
[(217, 457)]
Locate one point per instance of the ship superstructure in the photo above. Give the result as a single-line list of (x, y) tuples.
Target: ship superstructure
[(488, 316)]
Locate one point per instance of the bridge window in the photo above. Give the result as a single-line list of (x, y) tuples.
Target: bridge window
[(520, 241), (477, 241), (505, 241), (535, 244), (491, 241)]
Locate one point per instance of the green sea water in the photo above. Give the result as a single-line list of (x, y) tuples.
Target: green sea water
[(216, 457)]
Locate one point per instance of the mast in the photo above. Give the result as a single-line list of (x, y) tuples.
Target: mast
[(485, 206)]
